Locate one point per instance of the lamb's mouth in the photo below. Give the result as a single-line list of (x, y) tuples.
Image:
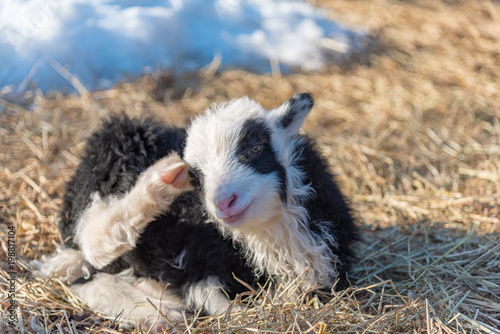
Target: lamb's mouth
[(238, 217)]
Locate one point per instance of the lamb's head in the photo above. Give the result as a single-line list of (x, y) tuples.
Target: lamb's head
[(242, 154)]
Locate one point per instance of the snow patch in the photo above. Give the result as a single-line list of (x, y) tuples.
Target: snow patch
[(101, 41)]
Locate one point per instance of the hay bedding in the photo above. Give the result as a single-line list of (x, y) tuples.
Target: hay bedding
[(412, 131)]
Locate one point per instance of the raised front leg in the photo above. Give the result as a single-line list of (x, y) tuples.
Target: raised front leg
[(111, 226)]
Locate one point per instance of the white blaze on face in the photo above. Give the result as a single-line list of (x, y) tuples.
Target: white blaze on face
[(234, 193), (234, 149)]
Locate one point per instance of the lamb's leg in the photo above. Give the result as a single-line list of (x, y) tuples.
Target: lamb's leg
[(110, 226), (115, 294), (208, 294), (67, 264)]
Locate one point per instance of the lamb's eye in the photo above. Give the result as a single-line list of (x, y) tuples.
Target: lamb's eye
[(255, 149)]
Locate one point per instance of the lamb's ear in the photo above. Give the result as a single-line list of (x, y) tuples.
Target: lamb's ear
[(293, 113)]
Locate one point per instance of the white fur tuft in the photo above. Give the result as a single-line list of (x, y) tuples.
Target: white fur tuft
[(67, 264), (125, 295)]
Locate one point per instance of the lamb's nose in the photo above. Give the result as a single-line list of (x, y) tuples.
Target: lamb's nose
[(225, 203)]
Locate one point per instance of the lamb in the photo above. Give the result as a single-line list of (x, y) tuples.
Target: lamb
[(182, 216)]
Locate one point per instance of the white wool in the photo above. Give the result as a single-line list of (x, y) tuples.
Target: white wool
[(287, 248), (125, 295)]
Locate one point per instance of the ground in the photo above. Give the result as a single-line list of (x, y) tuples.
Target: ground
[(411, 130)]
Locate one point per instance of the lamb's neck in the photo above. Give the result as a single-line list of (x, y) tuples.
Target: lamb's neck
[(286, 251)]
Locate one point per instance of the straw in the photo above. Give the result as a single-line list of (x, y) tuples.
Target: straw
[(410, 129)]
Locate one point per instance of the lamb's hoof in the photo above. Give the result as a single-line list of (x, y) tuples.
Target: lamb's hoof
[(177, 175), (167, 179)]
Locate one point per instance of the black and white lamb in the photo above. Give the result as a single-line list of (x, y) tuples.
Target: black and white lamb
[(174, 215)]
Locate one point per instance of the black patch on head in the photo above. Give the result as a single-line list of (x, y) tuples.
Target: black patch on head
[(197, 179), (296, 104), (196, 176), (254, 149)]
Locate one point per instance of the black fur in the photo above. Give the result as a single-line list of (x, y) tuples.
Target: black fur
[(328, 204), (207, 253), (296, 104), (113, 159), (256, 134)]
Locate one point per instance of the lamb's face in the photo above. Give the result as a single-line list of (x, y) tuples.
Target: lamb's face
[(240, 153)]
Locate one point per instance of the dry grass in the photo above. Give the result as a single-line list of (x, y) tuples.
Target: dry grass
[(412, 132)]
